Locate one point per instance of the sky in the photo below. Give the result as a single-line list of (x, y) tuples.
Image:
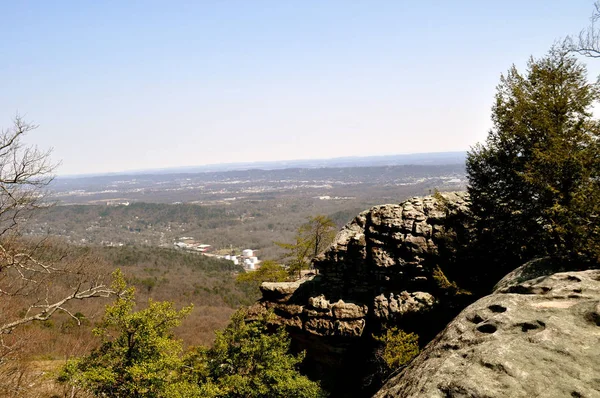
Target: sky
[(132, 85)]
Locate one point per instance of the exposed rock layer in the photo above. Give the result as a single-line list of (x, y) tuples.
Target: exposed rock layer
[(380, 266), (536, 338), (380, 269)]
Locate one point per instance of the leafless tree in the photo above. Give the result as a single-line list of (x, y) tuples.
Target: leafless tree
[(587, 43), (36, 279)]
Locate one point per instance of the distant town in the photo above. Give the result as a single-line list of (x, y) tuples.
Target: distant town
[(247, 259)]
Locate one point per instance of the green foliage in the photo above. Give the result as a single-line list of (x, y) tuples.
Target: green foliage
[(534, 184), (249, 360), (269, 271), (311, 238), (444, 284), (296, 255), (439, 197), (138, 355), (399, 347)]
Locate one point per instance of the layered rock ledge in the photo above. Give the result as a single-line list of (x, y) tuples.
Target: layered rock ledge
[(379, 270)]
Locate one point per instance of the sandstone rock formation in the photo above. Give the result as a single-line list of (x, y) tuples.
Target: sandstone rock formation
[(380, 269), (536, 338)]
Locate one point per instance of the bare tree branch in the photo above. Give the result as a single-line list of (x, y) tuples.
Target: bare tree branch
[(587, 43), (26, 270), (43, 312)]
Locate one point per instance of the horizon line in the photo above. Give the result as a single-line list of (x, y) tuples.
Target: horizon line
[(247, 165)]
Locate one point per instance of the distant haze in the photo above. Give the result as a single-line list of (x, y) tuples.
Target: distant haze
[(420, 159)]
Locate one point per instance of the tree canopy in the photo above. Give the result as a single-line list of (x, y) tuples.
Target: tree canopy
[(139, 356), (587, 43), (37, 279), (250, 361), (534, 183)]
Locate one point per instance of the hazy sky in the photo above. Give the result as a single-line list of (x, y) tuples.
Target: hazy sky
[(121, 85)]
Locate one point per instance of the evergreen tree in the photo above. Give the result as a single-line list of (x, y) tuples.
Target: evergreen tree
[(534, 183)]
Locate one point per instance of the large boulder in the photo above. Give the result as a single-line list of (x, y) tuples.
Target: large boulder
[(536, 338)]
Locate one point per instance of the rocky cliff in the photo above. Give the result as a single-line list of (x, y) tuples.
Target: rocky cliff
[(383, 268), (538, 334), (535, 338)]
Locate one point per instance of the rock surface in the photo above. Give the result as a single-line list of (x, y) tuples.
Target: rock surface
[(380, 269), (379, 266), (536, 338)]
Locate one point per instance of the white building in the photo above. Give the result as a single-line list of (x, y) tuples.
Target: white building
[(248, 264)]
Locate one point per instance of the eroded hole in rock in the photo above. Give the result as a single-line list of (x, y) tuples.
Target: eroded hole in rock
[(452, 347), (573, 296), (487, 328), (593, 317), (577, 290), (520, 289), (497, 308), (524, 289), (498, 367), (575, 394), (573, 278), (475, 319), (454, 391), (527, 326)]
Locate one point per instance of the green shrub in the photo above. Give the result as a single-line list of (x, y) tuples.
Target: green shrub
[(398, 347), (250, 361), (139, 357)]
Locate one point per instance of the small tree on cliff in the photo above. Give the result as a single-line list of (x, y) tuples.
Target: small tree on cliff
[(311, 239), (269, 271), (534, 184)]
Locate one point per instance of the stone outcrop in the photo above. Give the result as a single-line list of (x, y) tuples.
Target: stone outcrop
[(534, 338), (538, 334), (389, 247), (379, 266), (380, 269)]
